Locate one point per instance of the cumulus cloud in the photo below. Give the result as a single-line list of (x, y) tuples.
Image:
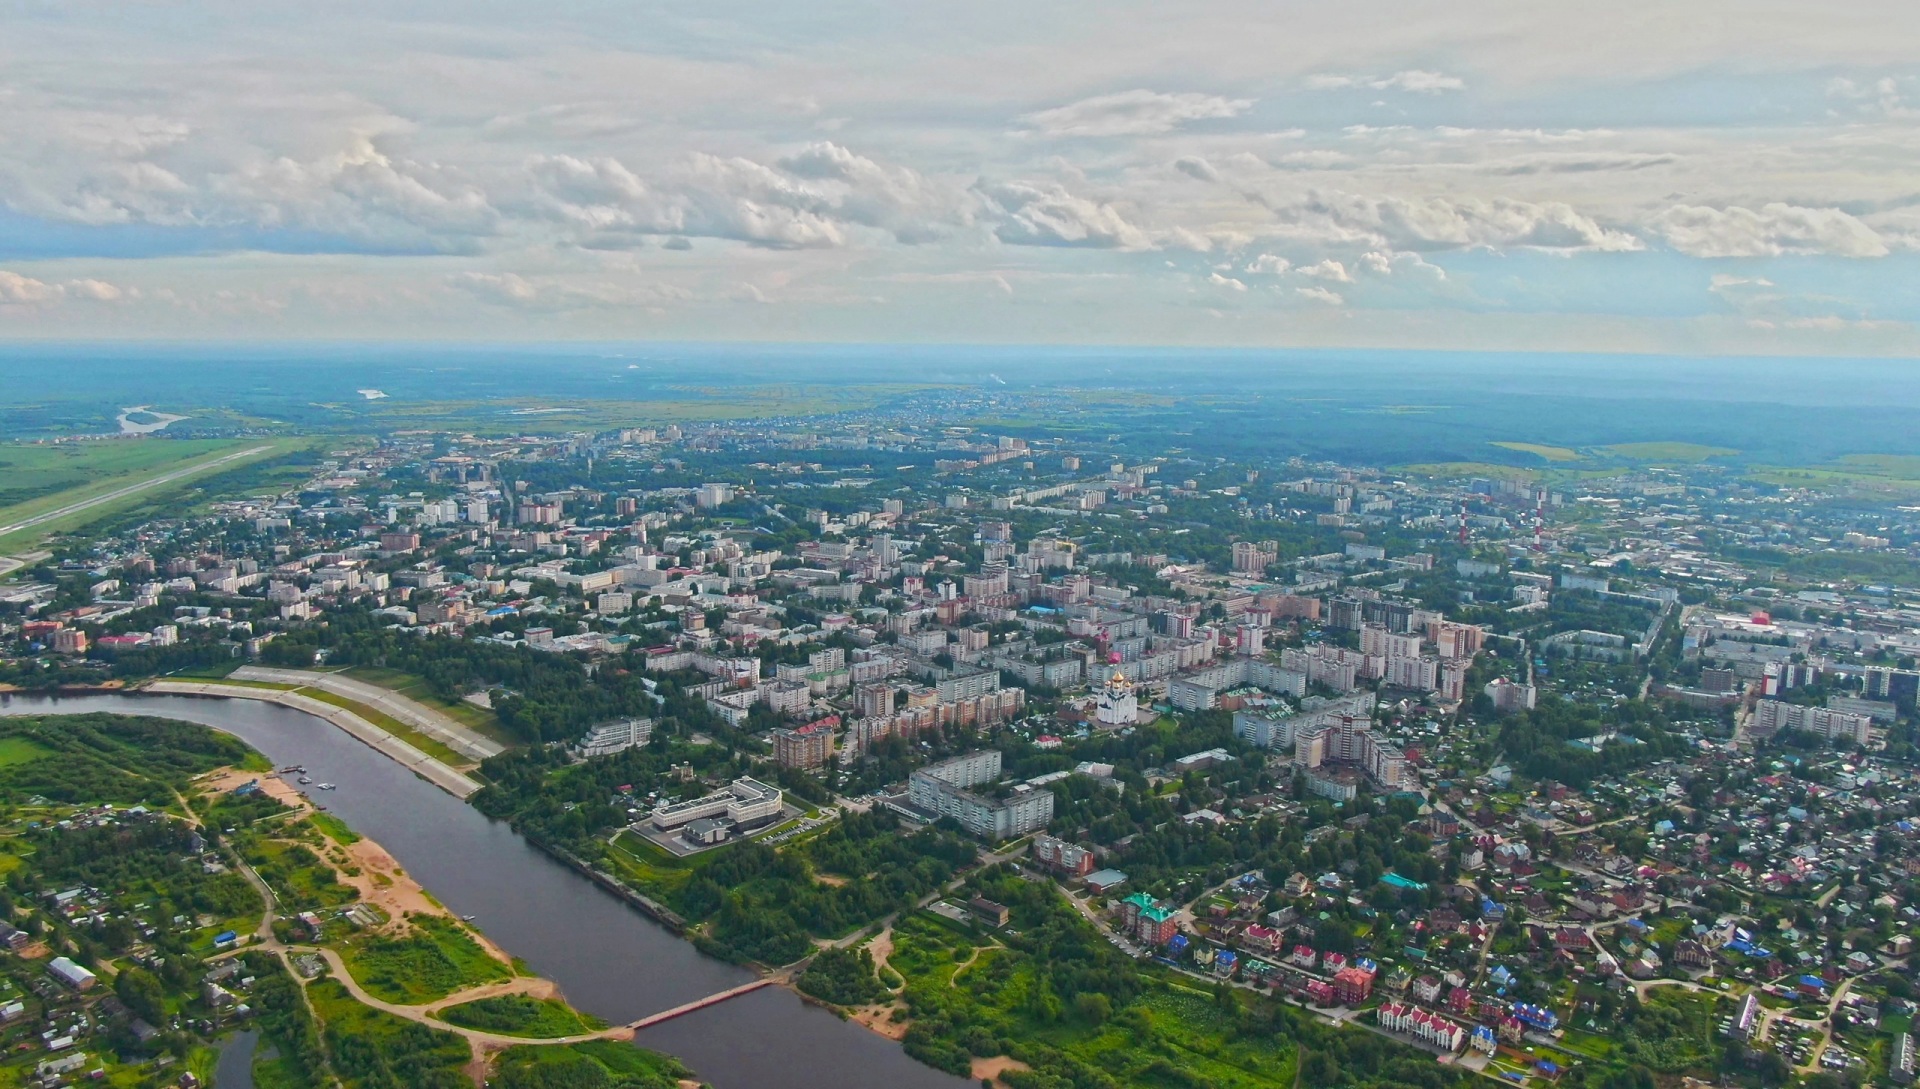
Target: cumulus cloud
[(1320, 294), (1442, 223), (815, 198), (1379, 263), (1771, 230), (1048, 215), (1329, 270), (1885, 97), (359, 191), (1133, 113), (1268, 264), (1218, 280), (547, 294), (1414, 81), (19, 290)]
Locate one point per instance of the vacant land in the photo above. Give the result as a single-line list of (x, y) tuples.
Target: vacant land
[(1891, 476), (520, 1015), (1456, 470), (419, 691), (1669, 451), (435, 959), (29, 471), (1545, 453), (103, 494)]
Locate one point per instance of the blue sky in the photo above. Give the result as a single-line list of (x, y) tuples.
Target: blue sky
[(1716, 177)]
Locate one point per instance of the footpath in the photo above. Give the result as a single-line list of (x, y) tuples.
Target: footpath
[(441, 727)]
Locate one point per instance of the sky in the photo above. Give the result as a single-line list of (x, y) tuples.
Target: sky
[(1713, 177)]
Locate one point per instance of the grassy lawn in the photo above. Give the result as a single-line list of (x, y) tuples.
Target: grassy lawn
[(1177, 1034), (351, 1029), (436, 958), (300, 878), (19, 750), (1545, 453), (521, 1015), (166, 458), (1452, 470), (478, 719), (650, 869), (334, 828), (394, 726), (35, 470), (1669, 451), (599, 1062)]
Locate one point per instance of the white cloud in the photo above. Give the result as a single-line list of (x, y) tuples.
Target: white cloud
[(16, 289), (818, 197), (1218, 280), (20, 290), (1413, 80), (1885, 97), (1133, 113), (1268, 264), (1320, 294), (551, 294), (1380, 263), (1329, 270), (1442, 223), (1048, 215), (95, 290), (1771, 230)]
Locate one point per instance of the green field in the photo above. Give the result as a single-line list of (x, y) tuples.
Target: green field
[(436, 959), (107, 467), (29, 471), (365, 1043), (1454, 470), (1545, 453), (393, 726), (686, 404), (520, 1015), (1669, 451), (599, 1062), (1893, 476), (419, 691), (20, 750)]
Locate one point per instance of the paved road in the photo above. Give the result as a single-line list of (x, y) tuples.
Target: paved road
[(130, 489), (443, 728)]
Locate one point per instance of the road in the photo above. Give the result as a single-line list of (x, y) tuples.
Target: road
[(131, 489), (451, 732)]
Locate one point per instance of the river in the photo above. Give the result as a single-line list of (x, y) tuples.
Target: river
[(608, 959)]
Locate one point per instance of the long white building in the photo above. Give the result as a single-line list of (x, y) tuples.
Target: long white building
[(745, 802)]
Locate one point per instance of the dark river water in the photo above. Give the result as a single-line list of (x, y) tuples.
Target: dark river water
[(609, 960)]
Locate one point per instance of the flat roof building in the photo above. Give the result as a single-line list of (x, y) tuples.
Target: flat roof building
[(944, 790), (745, 802)]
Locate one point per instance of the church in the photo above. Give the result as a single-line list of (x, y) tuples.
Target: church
[(1115, 704)]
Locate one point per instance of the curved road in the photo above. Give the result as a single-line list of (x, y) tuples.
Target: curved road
[(443, 728)]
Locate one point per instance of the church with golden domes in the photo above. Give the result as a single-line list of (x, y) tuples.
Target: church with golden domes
[(1115, 704)]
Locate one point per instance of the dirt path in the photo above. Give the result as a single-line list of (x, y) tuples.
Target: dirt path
[(954, 979), (991, 1069), (881, 948)]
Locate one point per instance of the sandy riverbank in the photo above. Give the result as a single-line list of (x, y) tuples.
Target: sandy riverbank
[(363, 864)]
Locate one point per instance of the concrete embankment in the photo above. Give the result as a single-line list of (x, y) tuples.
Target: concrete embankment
[(635, 899), (433, 771)]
